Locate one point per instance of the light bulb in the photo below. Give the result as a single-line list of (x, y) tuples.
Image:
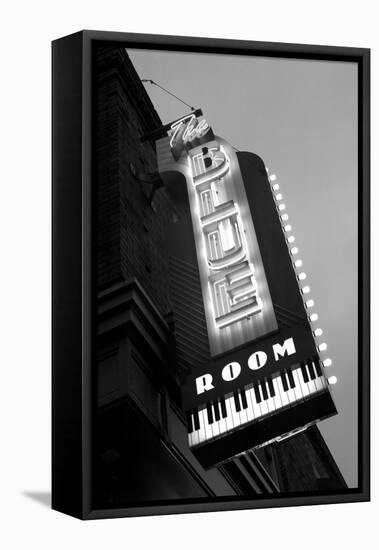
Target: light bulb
[(287, 228), (302, 276), (305, 290), (317, 332), (327, 363), (284, 217), (276, 186), (294, 250), (279, 197), (323, 347), (291, 239), (309, 303), (298, 263), (332, 380), (313, 317), (282, 206), (272, 177)]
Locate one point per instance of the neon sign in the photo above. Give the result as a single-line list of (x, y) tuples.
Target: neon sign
[(232, 285), (187, 133), (236, 297)]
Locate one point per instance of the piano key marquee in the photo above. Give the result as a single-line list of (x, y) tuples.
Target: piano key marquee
[(265, 376)]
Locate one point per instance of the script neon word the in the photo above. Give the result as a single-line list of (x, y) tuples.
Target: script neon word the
[(187, 129)]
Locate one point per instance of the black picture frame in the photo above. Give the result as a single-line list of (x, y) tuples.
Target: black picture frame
[(73, 335)]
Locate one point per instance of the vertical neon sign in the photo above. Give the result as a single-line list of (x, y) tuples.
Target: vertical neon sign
[(236, 297), (231, 279)]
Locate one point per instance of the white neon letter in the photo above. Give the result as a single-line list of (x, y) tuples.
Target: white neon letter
[(257, 360), (288, 348), (204, 383), (231, 371)]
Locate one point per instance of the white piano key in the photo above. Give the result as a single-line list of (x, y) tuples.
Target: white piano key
[(290, 393), (263, 403), (311, 385), (222, 423), (214, 426), (229, 419), (236, 416), (210, 425), (243, 415), (249, 410), (270, 401), (318, 382), (277, 399), (282, 393), (303, 385), (256, 406), (216, 423), (324, 382), (207, 428), (297, 388), (201, 430), (189, 434), (194, 436), (249, 393), (222, 426)]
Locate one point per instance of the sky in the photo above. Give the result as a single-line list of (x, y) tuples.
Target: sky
[(300, 117)]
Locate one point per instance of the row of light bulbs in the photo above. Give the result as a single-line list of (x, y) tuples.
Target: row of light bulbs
[(301, 275)]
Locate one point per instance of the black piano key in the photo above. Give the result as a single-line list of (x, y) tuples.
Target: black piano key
[(317, 366), (284, 381), (237, 401), (196, 421), (264, 390), (224, 413), (304, 372), (243, 399), (311, 370), (189, 422), (291, 379), (271, 388), (209, 413), (257, 393), (216, 411)]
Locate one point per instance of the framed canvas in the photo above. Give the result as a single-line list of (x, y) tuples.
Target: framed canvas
[(210, 275)]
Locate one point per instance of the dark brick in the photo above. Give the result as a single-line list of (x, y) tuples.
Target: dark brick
[(130, 234)]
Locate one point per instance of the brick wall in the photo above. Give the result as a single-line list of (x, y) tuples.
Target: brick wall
[(130, 230), (305, 463)]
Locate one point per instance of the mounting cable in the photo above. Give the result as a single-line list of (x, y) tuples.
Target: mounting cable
[(164, 89)]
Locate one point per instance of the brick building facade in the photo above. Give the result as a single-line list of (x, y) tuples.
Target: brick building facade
[(131, 228)]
